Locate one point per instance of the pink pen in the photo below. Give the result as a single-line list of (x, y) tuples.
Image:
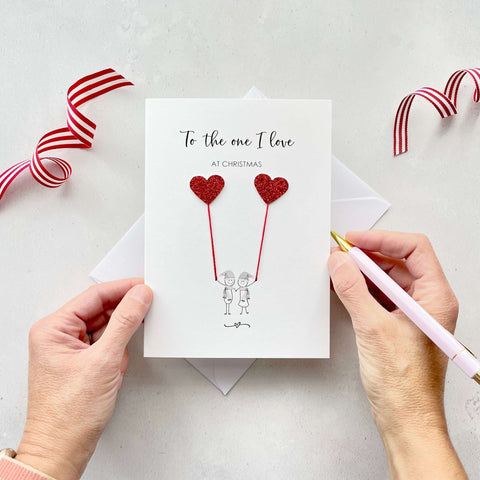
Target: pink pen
[(441, 337)]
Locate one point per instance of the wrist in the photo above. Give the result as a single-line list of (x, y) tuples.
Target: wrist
[(48, 462), (425, 453), (406, 406), (61, 458)]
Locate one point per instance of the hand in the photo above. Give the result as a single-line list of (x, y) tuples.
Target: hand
[(78, 357), (402, 371)]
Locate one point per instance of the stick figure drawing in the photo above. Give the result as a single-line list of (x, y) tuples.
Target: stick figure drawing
[(228, 283), (243, 292)]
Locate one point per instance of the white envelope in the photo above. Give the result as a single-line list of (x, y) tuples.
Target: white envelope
[(355, 206)]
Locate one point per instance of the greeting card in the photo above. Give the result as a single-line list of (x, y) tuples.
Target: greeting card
[(237, 219)]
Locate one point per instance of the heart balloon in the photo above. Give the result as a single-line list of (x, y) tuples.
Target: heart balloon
[(270, 190), (207, 190)]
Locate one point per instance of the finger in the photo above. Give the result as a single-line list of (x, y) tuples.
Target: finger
[(351, 288), (100, 320), (98, 298), (415, 248), (124, 362), (380, 297), (395, 268), (95, 336), (125, 319), (84, 337)]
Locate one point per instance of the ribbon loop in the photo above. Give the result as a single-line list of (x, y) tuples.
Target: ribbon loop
[(453, 84), (440, 101), (445, 104), (78, 133)]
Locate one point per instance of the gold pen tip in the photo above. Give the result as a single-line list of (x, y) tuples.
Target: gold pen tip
[(477, 377), (344, 244)]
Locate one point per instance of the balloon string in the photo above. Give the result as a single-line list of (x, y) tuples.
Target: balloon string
[(211, 239), (261, 243)]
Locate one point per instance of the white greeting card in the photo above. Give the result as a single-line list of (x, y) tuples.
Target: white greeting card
[(237, 228)]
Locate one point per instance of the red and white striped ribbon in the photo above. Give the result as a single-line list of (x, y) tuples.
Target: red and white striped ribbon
[(451, 89), (445, 103), (78, 133), (441, 102)]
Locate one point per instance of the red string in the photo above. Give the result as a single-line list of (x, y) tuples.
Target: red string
[(261, 243), (211, 238)]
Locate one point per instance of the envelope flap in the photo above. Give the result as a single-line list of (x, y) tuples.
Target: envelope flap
[(345, 184), (357, 213)]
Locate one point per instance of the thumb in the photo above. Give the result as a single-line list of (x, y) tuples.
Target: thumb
[(126, 318), (350, 285)]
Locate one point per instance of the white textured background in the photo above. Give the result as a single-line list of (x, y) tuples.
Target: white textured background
[(285, 419)]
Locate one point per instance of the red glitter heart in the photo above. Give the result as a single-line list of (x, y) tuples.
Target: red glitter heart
[(207, 190), (270, 190)]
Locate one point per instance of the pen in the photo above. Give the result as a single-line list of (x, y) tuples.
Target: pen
[(440, 336)]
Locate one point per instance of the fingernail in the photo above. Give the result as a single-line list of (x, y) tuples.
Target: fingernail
[(142, 293), (336, 260)]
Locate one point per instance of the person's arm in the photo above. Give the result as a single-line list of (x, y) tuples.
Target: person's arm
[(402, 371), (78, 357)]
